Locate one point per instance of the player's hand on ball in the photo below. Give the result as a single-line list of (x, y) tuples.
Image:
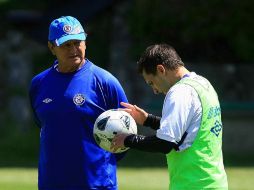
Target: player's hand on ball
[(118, 142), (138, 114)]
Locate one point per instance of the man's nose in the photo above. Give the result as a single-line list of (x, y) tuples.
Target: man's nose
[(73, 47)]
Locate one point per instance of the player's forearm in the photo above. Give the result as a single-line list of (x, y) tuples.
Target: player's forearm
[(152, 121), (149, 144)]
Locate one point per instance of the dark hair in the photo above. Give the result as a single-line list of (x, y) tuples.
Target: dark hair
[(157, 54)]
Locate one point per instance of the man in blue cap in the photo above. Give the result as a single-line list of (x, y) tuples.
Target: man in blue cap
[(66, 100)]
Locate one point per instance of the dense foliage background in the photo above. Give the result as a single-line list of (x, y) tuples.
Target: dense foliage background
[(211, 31)]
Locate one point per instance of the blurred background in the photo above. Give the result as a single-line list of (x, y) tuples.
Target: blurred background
[(214, 38)]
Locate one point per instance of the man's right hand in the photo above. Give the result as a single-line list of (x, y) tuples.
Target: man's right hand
[(138, 114)]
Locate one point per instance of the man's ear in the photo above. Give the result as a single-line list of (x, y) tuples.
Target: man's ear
[(51, 47), (160, 69)]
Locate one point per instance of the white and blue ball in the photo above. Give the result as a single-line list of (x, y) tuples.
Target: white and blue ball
[(110, 123)]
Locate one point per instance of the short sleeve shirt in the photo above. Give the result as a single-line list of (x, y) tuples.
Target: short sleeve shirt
[(182, 112)]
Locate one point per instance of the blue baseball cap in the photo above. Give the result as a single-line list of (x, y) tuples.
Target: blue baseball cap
[(64, 29)]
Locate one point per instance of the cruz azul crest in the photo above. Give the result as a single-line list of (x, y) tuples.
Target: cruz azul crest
[(79, 99)]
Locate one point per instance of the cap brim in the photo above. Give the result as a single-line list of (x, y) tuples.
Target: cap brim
[(60, 41)]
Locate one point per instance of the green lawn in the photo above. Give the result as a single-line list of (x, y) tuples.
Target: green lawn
[(240, 178)]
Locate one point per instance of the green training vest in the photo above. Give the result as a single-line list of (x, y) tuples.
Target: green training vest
[(201, 165)]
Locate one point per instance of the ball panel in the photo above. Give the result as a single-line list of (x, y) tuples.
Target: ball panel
[(102, 123), (110, 123)]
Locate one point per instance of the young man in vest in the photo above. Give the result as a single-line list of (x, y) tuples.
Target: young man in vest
[(190, 129)]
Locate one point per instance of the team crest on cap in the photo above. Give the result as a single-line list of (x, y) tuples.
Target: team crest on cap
[(79, 99), (67, 29)]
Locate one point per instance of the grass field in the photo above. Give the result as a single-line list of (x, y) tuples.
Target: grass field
[(240, 178)]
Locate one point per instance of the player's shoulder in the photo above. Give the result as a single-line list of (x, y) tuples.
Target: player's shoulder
[(182, 89), (100, 71), (102, 74), (39, 77), (183, 85)]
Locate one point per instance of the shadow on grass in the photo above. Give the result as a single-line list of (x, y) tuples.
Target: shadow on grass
[(133, 159), (138, 159), (239, 160)]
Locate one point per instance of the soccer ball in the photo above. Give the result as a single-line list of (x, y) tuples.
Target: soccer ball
[(110, 123)]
